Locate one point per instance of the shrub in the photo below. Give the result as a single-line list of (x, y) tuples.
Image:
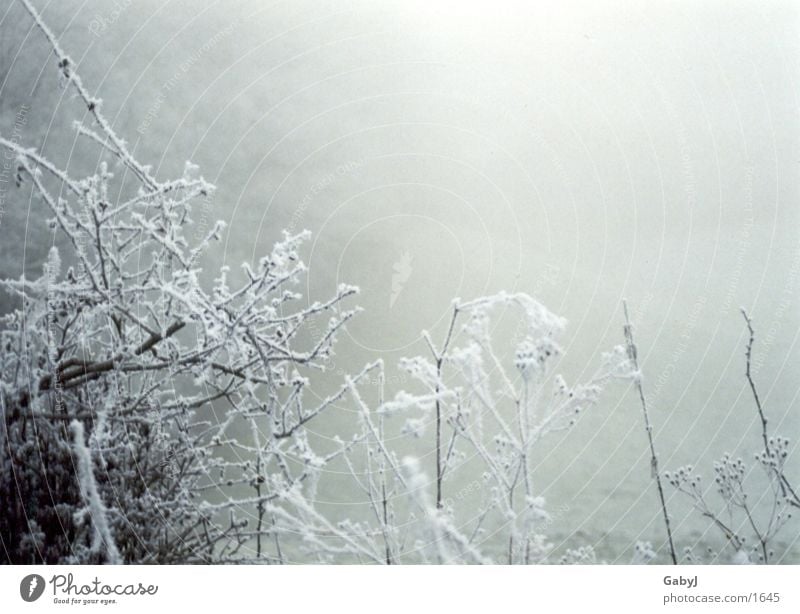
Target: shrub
[(123, 341)]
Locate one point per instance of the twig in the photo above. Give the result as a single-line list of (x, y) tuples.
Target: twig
[(786, 487), (93, 104), (632, 354), (439, 357)]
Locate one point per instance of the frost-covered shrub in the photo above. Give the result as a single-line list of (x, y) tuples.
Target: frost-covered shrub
[(147, 415), (489, 405)]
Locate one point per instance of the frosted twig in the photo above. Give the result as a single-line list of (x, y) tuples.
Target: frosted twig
[(656, 475), (102, 532)]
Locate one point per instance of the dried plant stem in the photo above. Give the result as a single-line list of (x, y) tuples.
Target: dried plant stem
[(632, 354), (786, 487), (439, 357)]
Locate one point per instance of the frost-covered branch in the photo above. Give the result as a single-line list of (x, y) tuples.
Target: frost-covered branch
[(101, 535)]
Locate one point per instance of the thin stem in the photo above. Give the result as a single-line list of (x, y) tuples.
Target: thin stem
[(439, 356), (632, 354), (786, 487)]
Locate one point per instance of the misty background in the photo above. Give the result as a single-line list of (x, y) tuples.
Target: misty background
[(584, 153)]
